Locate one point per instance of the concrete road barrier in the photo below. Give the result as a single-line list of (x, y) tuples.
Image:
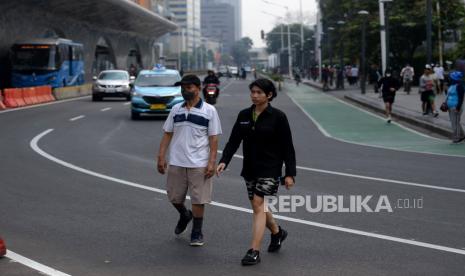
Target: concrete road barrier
[(72, 91)]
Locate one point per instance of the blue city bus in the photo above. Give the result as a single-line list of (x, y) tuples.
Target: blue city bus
[(57, 62)]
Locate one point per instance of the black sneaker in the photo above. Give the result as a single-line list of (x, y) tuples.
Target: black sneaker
[(182, 223), (252, 257), (196, 238), (277, 240), (435, 114)]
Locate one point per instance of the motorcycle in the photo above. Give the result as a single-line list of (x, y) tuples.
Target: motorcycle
[(211, 92)]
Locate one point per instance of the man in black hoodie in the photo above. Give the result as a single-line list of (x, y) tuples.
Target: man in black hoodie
[(389, 86)]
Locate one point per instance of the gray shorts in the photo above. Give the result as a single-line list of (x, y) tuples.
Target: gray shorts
[(262, 187), (181, 179)]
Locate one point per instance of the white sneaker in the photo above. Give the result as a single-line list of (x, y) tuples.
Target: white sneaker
[(388, 119)]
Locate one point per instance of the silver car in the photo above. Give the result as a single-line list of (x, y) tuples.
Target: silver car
[(112, 83)]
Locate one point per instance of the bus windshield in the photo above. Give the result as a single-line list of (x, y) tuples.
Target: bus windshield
[(35, 57), (157, 80)]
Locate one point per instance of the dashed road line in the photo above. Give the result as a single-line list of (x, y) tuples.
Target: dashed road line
[(105, 109), (77, 118)]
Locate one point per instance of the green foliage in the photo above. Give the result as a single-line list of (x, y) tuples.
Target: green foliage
[(406, 22), (240, 51), (273, 39)]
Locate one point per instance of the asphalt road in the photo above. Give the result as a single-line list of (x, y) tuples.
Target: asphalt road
[(83, 197)]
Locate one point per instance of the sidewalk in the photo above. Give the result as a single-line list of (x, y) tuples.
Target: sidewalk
[(406, 107)]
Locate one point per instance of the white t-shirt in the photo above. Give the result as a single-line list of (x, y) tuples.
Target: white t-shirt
[(354, 72), (439, 72), (190, 147)]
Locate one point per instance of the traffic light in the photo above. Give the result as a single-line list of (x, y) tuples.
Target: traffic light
[(262, 34)]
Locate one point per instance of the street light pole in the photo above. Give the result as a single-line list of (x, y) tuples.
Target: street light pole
[(429, 8), (382, 23), (289, 51), (330, 45), (364, 14), (301, 37), (341, 56), (282, 34)]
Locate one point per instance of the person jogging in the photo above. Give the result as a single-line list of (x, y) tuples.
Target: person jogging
[(192, 129), (267, 143), (389, 85)]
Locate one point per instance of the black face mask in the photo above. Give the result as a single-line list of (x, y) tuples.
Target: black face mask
[(188, 96)]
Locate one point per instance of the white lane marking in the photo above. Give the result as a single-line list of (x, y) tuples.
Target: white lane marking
[(36, 148), (372, 178), (227, 85), (325, 133), (33, 264), (105, 109), (77, 118), (44, 104), (128, 103)]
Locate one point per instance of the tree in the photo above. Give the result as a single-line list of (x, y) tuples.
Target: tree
[(407, 27), (240, 51), (273, 41)]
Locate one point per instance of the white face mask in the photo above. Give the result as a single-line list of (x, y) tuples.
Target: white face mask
[(388, 75)]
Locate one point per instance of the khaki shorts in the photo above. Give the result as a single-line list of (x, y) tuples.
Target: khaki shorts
[(181, 179)]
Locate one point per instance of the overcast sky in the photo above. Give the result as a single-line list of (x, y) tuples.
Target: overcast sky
[(254, 20)]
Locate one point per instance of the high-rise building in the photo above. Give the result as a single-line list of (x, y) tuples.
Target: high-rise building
[(237, 4), (187, 15), (218, 23)]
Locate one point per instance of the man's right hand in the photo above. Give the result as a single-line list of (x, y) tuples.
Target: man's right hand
[(161, 165), (220, 168)]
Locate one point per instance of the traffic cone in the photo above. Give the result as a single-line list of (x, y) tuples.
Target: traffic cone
[(2, 248)]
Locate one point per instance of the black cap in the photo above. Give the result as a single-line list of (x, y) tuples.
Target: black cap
[(189, 79)]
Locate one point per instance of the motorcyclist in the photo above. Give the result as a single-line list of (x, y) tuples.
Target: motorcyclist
[(211, 78)]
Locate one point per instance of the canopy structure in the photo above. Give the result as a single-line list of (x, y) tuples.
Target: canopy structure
[(119, 15)]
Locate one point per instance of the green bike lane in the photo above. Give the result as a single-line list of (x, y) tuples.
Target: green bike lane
[(342, 121)]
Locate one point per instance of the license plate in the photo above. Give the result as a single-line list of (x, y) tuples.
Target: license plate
[(112, 90), (157, 106)]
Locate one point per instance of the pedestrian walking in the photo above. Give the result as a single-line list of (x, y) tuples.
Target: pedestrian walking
[(267, 143), (354, 74), (192, 130), (427, 84), (439, 73), (325, 78), (389, 85), (455, 95), (407, 73)]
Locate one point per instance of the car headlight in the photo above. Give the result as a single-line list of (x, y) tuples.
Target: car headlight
[(52, 78)]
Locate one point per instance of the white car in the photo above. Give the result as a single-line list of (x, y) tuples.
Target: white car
[(233, 70), (112, 83)]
